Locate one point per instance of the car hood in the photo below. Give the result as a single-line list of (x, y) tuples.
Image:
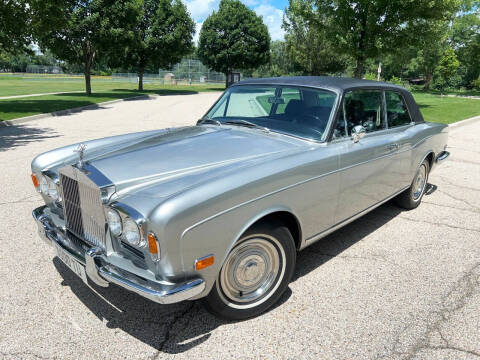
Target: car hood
[(184, 156)]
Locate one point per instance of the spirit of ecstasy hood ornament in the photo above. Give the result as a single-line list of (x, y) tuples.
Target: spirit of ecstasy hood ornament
[(80, 149)]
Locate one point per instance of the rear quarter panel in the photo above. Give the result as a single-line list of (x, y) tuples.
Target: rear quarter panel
[(426, 138)]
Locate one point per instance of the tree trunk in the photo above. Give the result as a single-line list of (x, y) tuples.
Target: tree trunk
[(140, 79), (428, 80), (226, 79), (359, 68), (88, 85)]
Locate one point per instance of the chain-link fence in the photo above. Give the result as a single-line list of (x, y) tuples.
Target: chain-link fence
[(187, 71), (44, 69)]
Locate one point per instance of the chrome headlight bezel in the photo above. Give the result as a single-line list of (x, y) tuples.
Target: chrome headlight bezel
[(43, 184), (114, 221), (49, 188), (131, 232), (131, 225)]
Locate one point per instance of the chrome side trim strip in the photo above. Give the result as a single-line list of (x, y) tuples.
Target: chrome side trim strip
[(324, 233), (286, 188)]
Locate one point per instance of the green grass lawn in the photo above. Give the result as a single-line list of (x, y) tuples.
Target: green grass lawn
[(12, 86), (446, 110)]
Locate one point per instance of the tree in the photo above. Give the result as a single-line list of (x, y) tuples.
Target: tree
[(14, 26), (447, 66), (279, 64), (234, 37), (428, 48), (465, 40), (79, 31), (364, 29), (308, 47), (163, 35)]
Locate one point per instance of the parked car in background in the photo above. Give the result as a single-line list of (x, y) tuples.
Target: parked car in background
[(219, 210)]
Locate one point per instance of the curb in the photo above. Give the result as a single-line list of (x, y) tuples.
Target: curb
[(43, 94), (465, 122), (14, 122)]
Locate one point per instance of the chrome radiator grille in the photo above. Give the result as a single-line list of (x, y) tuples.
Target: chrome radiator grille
[(82, 205)]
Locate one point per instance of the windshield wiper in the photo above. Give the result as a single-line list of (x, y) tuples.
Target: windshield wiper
[(247, 124), (209, 121)]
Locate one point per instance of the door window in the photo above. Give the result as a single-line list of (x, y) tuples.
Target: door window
[(361, 107), (397, 112)]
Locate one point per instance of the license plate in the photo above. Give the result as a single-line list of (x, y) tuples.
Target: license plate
[(72, 264)]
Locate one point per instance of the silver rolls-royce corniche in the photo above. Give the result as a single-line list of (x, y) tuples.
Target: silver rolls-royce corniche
[(219, 210)]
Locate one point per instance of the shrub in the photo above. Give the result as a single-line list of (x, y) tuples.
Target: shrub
[(370, 76), (476, 83), (395, 80)]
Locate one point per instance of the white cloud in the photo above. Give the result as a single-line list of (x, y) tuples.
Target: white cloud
[(200, 9), (273, 18), (198, 27), (251, 2)]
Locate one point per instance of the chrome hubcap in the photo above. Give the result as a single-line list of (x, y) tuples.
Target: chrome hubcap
[(419, 182), (251, 271)]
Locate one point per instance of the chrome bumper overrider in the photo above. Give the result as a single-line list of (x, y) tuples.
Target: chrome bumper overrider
[(102, 273)]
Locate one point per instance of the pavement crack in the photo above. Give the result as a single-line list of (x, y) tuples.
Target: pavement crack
[(452, 302), (459, 199), (23, 200), (169, 333), (451, 207), (439, 224), (447, 180), (21, 355)]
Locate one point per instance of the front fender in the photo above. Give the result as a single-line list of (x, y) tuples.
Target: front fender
[(218, 234)]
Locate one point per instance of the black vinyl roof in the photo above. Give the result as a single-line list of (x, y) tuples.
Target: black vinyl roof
[(331, 82)]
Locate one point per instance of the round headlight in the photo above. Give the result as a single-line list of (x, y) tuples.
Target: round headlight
[(131, 232), (43, 184), (52, 190), (114, 222)]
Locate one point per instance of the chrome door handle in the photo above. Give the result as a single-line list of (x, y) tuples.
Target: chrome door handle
[(392, 147)]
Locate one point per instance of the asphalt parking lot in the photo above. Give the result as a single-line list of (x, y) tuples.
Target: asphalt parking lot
[(392, 285)]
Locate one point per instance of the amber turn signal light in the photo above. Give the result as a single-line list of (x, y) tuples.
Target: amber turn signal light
[(204, 262), (152, 244), (35, 181)]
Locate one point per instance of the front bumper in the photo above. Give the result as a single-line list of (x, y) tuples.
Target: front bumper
[(102, 273)]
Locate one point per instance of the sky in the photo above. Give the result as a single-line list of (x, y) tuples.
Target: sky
[(271, 11)]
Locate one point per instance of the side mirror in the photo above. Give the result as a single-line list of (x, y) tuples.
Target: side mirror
[(358, 132)]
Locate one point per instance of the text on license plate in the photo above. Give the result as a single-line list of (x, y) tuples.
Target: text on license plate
[(72, 264)]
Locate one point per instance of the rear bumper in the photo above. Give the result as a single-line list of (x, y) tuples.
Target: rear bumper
[(102, 273), (442, 156)]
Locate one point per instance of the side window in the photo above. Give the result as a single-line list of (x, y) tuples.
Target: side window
[(364, 107), (397, 112)]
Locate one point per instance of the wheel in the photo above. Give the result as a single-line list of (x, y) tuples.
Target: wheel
[(410, 198), (255, 273)]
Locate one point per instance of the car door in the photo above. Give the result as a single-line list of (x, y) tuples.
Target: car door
[(368, 171), (400, 126)]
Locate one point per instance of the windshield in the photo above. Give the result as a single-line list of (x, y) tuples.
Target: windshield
[(297, 111)]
